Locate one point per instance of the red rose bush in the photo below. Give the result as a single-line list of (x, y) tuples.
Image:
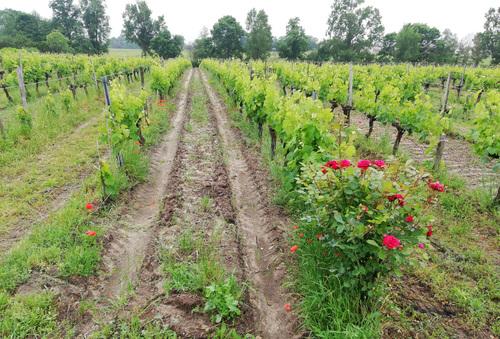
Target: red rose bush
[(368, 215)]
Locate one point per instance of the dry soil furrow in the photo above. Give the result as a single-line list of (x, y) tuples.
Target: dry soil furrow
[(257, 238), (458, 154), (198, 201)]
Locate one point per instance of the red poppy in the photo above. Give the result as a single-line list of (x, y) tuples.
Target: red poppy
[(379, 163), (89, 206), (91, 233), (323, 170), (294, 248), (288, 307), (395, 197), (409, 218)]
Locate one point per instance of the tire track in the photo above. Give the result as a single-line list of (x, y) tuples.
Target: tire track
[(259, 241)]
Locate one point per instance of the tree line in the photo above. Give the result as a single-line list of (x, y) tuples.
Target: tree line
[(354, 33)]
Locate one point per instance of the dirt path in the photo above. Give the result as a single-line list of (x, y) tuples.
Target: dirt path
[(131, 233), (458, 154), (258, 235)]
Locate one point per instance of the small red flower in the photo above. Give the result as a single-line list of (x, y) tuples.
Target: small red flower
[(345, 163), (294, 248), (295, 227), (391, 242), (332, 164), (379, 163), (409, 218), (429, 231), (437, 186), (402, 203), (364, 164), (89, 206), (421, 246), (288, 307), (364, 208), (319, 236), (324, 170), (91, 233), (301, 235)]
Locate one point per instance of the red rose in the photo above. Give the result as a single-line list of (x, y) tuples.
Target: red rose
[(333, 165), (364, 164), (379, 163), (395, 197), (294, 248), (391, 242), (288, 307), (429, 231), (91, 233), (409, 218), (89, 206), (437, 186), (345, 163)]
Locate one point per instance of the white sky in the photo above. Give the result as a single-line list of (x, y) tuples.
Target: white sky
[(187, 17)]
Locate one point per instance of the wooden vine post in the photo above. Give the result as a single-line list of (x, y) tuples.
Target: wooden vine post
[(22, 88), (141, 70), (442, 138), (347, 108)]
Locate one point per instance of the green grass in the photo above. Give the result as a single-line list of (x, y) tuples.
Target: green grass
[(125, 52), (59, 245)]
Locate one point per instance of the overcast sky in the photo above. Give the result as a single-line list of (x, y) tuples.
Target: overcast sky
[(187, 17)]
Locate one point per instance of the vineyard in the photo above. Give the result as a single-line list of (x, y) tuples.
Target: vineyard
[(146, 198)]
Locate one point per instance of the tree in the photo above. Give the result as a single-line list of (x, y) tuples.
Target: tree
[(57, 42), (203, 47), (357, 29), (295, 41), (96, 23), (490, 38), (408, 44), (260, 38), (227, 36), (19, 29), (387, 51), (66, 16), (167, 46), (139, 27), (479, 51)]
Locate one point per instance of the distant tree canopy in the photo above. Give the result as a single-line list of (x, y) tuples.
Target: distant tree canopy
[(121, 42), (85, 27), (151, 35), (295, 42), (227, 37), (57, 43), (260, 39), (487, 43)]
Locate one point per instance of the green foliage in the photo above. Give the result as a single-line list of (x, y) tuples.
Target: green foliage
[(294, 43), (25, 120), (67, 100), (49, 105), (167, 46), (57, 43), (30, 315), (223, 299), (139, 27), (260, 38), (486, 125), (349, 212), (227, 36), (96, 23)]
